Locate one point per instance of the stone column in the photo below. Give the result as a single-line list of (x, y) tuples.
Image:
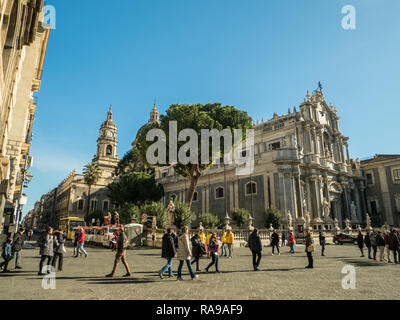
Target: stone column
[(231, 195), (347, 152), (346, 199), (203, 199), (236, 187)]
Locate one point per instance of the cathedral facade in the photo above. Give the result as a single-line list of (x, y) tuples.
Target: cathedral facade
[(302, 167), (70, 197)]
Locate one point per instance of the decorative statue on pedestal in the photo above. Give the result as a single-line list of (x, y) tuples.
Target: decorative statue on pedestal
[(227, 221), (308, 221), (170, 209), (116, 217), (353, 210), (251, 223), (369, 228), (347, 223)]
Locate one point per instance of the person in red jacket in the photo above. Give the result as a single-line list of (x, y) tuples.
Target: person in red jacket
[(291, 242), (81, 242)]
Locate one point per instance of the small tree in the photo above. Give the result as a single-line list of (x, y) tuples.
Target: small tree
[(273, 216), (127, 212), (157, 209), (240, 216), (182, 214), (210, 221)]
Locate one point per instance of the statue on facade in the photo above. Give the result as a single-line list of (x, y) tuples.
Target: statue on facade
[(353, 211), (289, 220), (293, 141), (326, 208), (308, 221), (171, 209), (304, 205), (336, 225), (116, 217)]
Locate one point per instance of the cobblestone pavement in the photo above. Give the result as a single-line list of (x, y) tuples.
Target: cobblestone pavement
[(281, 277)]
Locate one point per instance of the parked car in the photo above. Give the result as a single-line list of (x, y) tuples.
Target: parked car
[(344, 238)]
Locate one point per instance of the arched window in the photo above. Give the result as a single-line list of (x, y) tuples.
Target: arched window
[(109, 150), (219, 193), (195, 196), (251, 188)]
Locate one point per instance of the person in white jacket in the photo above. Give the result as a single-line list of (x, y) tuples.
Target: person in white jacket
[(184, 254)]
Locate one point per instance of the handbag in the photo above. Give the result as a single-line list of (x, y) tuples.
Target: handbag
[(310, 248)]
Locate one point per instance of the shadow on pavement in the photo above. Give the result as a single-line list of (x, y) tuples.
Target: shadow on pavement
[(359, 263), (119, 280)]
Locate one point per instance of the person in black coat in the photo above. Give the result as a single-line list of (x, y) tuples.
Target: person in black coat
[(360, 241), (18, 242), (196, 250), (168, 252), (59, 241), (367, 241), (275, 242), (255, 246), (322, 243)]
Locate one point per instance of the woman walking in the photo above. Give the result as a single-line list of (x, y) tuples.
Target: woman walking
[(184, 254), (168, 252), (380, 242), (46, 244), (59, 241), (309, 249), (214, 247), (291, 242), (196, 250), (372, 238), (367, 241)]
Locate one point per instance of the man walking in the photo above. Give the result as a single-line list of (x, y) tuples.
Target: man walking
[(380, 242), (167, 252), (360, 241), (372, 238), (275, 242), (367, 241), (18, 241), (255, 246), (229, 241), (394, 244), (80, 243), (122, 245), (322, 243), (387, 249)]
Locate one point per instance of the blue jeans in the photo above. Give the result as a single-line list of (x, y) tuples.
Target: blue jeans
[(189, 265), (292, 248), (214, 261), (223, 248), (168, 267), (80, 247)]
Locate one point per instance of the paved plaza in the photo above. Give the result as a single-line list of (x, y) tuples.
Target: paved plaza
[(281, 277)]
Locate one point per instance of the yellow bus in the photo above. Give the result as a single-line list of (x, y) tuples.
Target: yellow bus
[(69, 224)]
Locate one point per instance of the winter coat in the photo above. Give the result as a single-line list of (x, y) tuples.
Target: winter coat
[(229, 238), (373, 239), (46, 244), (184, 252), (81, 237), (7, 251), (274, 239), (208, 239), (360, 240), (196, 248), (175, 238), (386, 239), (367, 241), (223, 238), (380, 242), (202, 237), (214, 246), (17, 242), (393, 241), (322, 240), (59, 243), (168, 247), (291, 239), (255, 244), (308, 241)]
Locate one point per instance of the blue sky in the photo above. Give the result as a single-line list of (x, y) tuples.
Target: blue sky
[(259, 55)]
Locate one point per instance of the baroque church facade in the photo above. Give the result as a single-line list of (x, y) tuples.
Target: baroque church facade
[(70, 197), (301, 167)]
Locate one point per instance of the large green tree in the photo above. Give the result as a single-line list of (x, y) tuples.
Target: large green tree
[(135, 187), (91, 174), (196, 117)]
